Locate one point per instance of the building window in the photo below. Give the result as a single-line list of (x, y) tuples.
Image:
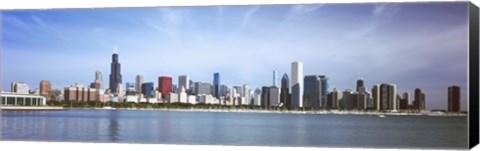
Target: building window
[(28, 101), (20, 101), (10, 100), (2, 100)]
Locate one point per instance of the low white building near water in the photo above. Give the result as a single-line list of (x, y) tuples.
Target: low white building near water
[(18, 99)]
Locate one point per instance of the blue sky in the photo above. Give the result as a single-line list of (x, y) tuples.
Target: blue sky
[(413, 45)]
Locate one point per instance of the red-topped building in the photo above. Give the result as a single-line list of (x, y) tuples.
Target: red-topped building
[(164, 85)]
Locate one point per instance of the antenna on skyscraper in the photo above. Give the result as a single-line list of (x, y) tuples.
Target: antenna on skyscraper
[(115, 49)]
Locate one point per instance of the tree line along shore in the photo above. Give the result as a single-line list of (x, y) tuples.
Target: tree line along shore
[(217, 107)]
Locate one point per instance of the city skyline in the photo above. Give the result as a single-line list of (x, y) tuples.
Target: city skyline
[(164, 54)]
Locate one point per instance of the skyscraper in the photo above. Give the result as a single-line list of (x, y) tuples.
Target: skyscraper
[(165, 85), (388, 97), (419, 102), (297, 84), (216, 84), (139, 83), (115, 74), (99, 78), (359, 84), (98, 83), (323, 90), (284, 93), (376, 96), (333, 99), (265, 97), (274, 96), (203, 88), (183, 81), (454, 98), (311, 91)]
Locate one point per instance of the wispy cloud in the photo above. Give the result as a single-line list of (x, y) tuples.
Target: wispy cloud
[(248, 15), (302, 9), (384, 9), (46, 27), (168, 21)]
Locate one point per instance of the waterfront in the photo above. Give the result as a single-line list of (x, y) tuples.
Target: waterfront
[(230, 128)]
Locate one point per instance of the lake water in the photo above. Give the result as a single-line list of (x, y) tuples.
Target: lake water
[(250, 129)]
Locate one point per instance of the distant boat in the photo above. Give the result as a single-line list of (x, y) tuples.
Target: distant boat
[(381, 116)]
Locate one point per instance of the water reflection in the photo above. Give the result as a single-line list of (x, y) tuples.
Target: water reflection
[(113, 127)]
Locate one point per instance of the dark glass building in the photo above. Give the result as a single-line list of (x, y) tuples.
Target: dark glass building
[(115, 76), (284, 91), (454, 99), (419, 100), (147, 90), (359, 84), (311, 91), (265, 99), (216, 85)]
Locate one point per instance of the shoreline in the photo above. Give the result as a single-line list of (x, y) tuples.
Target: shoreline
[(318, 112), (32, 108)]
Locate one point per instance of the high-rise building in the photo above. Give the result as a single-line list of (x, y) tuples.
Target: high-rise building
[(388, 97), (216, 84), (284, 93), (98, 83), (376, 96), (297, 84), (403, 101), (454, 98), (359, 84), (45, 87), (138, 83), (419, 100), (223, 90), (274, 78), (99, 78), (274, 96), (311, 94), (184, 81), (203, 88), (257, 96), (246, 95), (147, 90), (323, 90), (349, 100), (265, 97), (315, 91), (115, 73), (20, 87), (333, 99), (165, 85), (363, 99)]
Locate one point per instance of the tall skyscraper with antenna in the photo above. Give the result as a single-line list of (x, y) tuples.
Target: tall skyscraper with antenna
[(115, 76)]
